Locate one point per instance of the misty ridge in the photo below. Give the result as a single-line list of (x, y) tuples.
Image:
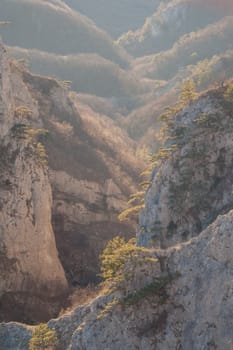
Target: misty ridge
[(116, 173), (129, 68)]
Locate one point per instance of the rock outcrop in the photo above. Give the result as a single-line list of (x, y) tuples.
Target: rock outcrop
[(91, 169), (177, 297), (196, 313), (194, 184), (31, 274)]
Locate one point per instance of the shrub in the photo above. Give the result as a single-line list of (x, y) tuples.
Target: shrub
[(228, 95), (43, 338), (120, 258), (188, 92)]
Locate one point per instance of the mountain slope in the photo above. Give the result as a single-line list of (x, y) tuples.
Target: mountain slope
[(191, 48), (92, 169), (195, 314), (170, 22), (192, 184), (34, 24), (116, 17), (85, 72)]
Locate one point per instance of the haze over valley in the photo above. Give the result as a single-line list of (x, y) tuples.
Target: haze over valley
[(116, 174)]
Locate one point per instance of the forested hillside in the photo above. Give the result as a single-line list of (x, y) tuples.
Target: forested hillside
[(170, 22), (53, 27), (116, 17)]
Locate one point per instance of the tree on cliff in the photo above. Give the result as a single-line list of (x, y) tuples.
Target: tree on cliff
[(188, 92), (43, 338)]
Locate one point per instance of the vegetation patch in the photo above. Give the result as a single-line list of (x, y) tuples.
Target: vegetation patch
[(158, 288), (120, 259), (43, 338)]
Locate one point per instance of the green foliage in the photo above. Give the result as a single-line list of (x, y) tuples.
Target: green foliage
[(228, 95), (43, 338), (163, 153), (130, 212), (119, 266), (4, 23), (108, 308), (188, 92), (170, 130), (23, 131), (116, 255), (158, 287), (66, 84), (112, 262), (136, 201), (40, 152), (3, 250), (22, 111), (203, 72)]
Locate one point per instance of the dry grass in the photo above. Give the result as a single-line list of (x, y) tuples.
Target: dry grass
[(80, 296)]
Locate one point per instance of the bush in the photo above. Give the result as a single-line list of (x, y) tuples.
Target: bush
[(43, 338), (228, 95), (120, 258)]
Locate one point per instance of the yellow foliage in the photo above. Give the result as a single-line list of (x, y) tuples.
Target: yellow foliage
[(43, 338), (115, 257), (228, 95), (126, 214), (22, 111), (188, 92)]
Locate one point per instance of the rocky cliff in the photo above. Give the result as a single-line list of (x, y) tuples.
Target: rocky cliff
[(195, 314), (192, 184), (179, 297), (93, 170), (31, 274), (65, 176)]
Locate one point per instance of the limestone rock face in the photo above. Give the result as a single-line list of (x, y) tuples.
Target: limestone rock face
[(197, 313), (194, 184), (91, 172), (14, 336), (30, 270), (188, 213)]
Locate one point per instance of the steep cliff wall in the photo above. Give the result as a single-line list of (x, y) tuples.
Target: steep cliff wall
[(177, 297), (194, 184), (93, 170), (32, 277), (92, 167), (196, 314)]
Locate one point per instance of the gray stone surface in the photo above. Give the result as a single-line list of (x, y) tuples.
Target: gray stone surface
[(190, 188), (197, 315), (29, 259)]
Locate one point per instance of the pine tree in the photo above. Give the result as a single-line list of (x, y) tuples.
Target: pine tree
[(43, 338), (188, 92)]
